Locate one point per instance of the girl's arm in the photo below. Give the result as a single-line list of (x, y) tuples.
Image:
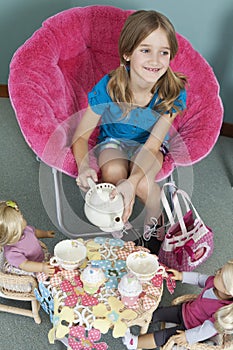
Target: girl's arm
[(80, 146), (34, 266), (149, 152)]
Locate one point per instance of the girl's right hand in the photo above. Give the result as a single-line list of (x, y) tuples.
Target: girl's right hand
[(175, 274), (126, 189), (81, 180)]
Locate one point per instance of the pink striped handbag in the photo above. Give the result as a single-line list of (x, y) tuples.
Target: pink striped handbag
[(188, 242)]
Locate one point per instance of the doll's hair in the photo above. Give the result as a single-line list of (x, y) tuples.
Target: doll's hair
[(224, 319), (137, 27), (227, 276), (11, 223), (224, 316)]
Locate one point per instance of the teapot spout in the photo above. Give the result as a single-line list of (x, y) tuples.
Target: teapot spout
[(118, 223)]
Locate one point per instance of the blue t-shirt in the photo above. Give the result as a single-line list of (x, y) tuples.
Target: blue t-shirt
[(136, 126)]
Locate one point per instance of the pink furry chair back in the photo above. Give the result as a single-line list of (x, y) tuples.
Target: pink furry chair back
[(51, 73)]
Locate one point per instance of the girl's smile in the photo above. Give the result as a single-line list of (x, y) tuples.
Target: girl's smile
[(150, 60)]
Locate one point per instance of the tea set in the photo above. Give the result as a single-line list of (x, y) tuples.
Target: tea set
[(106, 213), (101, 210)]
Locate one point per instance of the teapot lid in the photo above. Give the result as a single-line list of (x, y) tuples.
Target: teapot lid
[(99, 199)]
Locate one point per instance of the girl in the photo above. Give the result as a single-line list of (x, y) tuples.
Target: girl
[(211, 312), (21, 247), (135, 106)]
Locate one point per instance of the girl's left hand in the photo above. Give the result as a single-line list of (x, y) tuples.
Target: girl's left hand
[(126, 189), (50, 234), (180, 338)]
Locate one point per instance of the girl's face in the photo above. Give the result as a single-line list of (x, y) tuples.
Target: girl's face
[(219, 285), (150, 60)]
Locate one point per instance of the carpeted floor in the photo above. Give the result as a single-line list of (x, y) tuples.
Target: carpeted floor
[(29, 182)]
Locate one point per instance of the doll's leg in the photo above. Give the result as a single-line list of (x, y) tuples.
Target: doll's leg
[(150, 340), (133, 342), (171, 314), (158, 338)]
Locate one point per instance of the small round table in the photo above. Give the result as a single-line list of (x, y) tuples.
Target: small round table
[(63, 297)]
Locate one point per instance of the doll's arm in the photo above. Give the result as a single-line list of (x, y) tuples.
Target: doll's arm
[(196, 334), (44, 234), (175, 274), (200, 333), (180, 338), (194, 278), (34, 266)]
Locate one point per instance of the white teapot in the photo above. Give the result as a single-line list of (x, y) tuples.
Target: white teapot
[(101, 210)]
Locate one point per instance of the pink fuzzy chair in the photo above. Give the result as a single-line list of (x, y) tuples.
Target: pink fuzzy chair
[(51, 73)]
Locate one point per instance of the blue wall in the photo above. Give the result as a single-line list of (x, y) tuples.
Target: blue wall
[(206, 23)]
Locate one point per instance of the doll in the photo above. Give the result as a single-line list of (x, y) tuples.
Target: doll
[(19, 241)]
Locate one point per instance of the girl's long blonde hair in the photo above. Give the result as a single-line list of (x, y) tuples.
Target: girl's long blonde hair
[(137, 27), (224, 316), (11, 224)]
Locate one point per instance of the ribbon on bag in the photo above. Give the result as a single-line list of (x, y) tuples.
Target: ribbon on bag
[(178, 251)]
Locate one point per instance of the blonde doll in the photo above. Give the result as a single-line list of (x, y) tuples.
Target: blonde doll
[(211, 312), (135, 106), (20, 243), (224, 319)]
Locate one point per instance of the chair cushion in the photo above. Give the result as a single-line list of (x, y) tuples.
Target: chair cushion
[(51, 73)]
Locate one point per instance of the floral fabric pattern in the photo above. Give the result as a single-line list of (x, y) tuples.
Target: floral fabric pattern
[(115, 315), (60, 330), (128, 248), (76, 293), (113, 270), (44, 296), (77, 339)]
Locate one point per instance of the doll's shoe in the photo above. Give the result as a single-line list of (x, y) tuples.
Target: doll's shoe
[(152, 235), (156, 230), (120, 234), (130, 340)]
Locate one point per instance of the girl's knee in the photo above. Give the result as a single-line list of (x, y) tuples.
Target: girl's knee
[(113, 174), (145, 185)]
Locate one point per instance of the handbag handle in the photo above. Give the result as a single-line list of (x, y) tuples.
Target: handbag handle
[(166, 203), (177, 208)]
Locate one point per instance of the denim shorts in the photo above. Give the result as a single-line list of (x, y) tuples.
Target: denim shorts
[(121, 145)]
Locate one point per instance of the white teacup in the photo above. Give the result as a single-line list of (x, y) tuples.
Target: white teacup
[(69, 254), (144, 265)]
